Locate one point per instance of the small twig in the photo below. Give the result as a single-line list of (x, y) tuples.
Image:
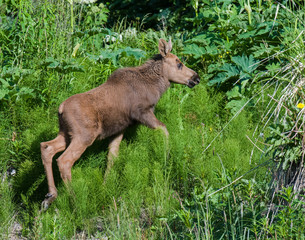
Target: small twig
[(220, 189), (14, 135), (180, 201), (7, 139), (170, 233), (116, 209), (279, 103), (223, 167), (266, 144), (255, 144)]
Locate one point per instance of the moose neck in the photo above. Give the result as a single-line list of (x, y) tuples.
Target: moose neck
[(152, 71)]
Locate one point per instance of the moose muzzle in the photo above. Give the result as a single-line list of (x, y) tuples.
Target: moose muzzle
[(193, 81)]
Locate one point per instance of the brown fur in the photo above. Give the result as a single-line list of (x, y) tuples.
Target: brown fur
[(128, 96)]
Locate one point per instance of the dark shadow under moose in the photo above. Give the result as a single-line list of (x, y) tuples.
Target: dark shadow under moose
[(129, 96)]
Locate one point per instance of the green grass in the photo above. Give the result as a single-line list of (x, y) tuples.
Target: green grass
[(7, 209), (146, 176), (190, 189), (140, 196)]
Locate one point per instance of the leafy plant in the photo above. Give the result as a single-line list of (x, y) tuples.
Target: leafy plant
[(285, 147), (11, 89), (234, 36), (91, 32), (64, 66), (234, 210), (115, 55), (238, 74), (287, 220)]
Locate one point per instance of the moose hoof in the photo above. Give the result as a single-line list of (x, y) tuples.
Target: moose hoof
[(49, 198)]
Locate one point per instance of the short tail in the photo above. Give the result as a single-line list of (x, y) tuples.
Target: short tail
[(61, 121)]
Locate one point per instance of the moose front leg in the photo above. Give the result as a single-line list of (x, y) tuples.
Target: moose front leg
[(149, 119)]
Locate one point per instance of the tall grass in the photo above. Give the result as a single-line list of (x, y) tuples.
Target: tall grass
[(7, 209), (205, 185)]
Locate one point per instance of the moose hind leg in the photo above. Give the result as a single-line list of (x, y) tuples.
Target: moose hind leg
[(69, 157), (48, 150), (114, 146)]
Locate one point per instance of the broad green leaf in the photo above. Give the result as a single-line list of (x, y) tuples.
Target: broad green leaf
[(53, 64), (201, 39), (273, 67), (194, 50), (214, 67), (93, 57), (135, 52), (109, 55), (91, 32), (220, 78), (114, 55), (247, 34), (234, 92), (264, 28), (236, 105), (209, 14), (4, 83), (211, 50), (228, 71), (228, 45), (247, 64), (24, 93), (3, 93), (64, 66)]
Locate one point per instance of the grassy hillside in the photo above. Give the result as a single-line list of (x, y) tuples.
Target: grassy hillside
[(232, 138)]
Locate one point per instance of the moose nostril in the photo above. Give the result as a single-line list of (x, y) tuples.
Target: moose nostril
[(196, 78)]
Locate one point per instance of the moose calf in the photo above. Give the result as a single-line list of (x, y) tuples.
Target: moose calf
[(129, 96)]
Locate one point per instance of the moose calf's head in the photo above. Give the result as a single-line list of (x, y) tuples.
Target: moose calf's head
[(174, 69)]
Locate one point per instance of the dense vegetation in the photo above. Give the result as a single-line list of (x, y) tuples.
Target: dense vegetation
[(234, 167)]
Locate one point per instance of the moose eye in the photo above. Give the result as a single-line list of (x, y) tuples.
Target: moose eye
[(179, 65)]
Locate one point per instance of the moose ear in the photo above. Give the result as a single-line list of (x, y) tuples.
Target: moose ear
[(164, 47), (170, 47)]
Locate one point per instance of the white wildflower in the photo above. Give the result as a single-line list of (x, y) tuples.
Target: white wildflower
[(84, 1), (130, 32), (113, 38)]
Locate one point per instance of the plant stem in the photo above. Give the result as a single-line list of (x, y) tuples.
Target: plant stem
[(72, 16)]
